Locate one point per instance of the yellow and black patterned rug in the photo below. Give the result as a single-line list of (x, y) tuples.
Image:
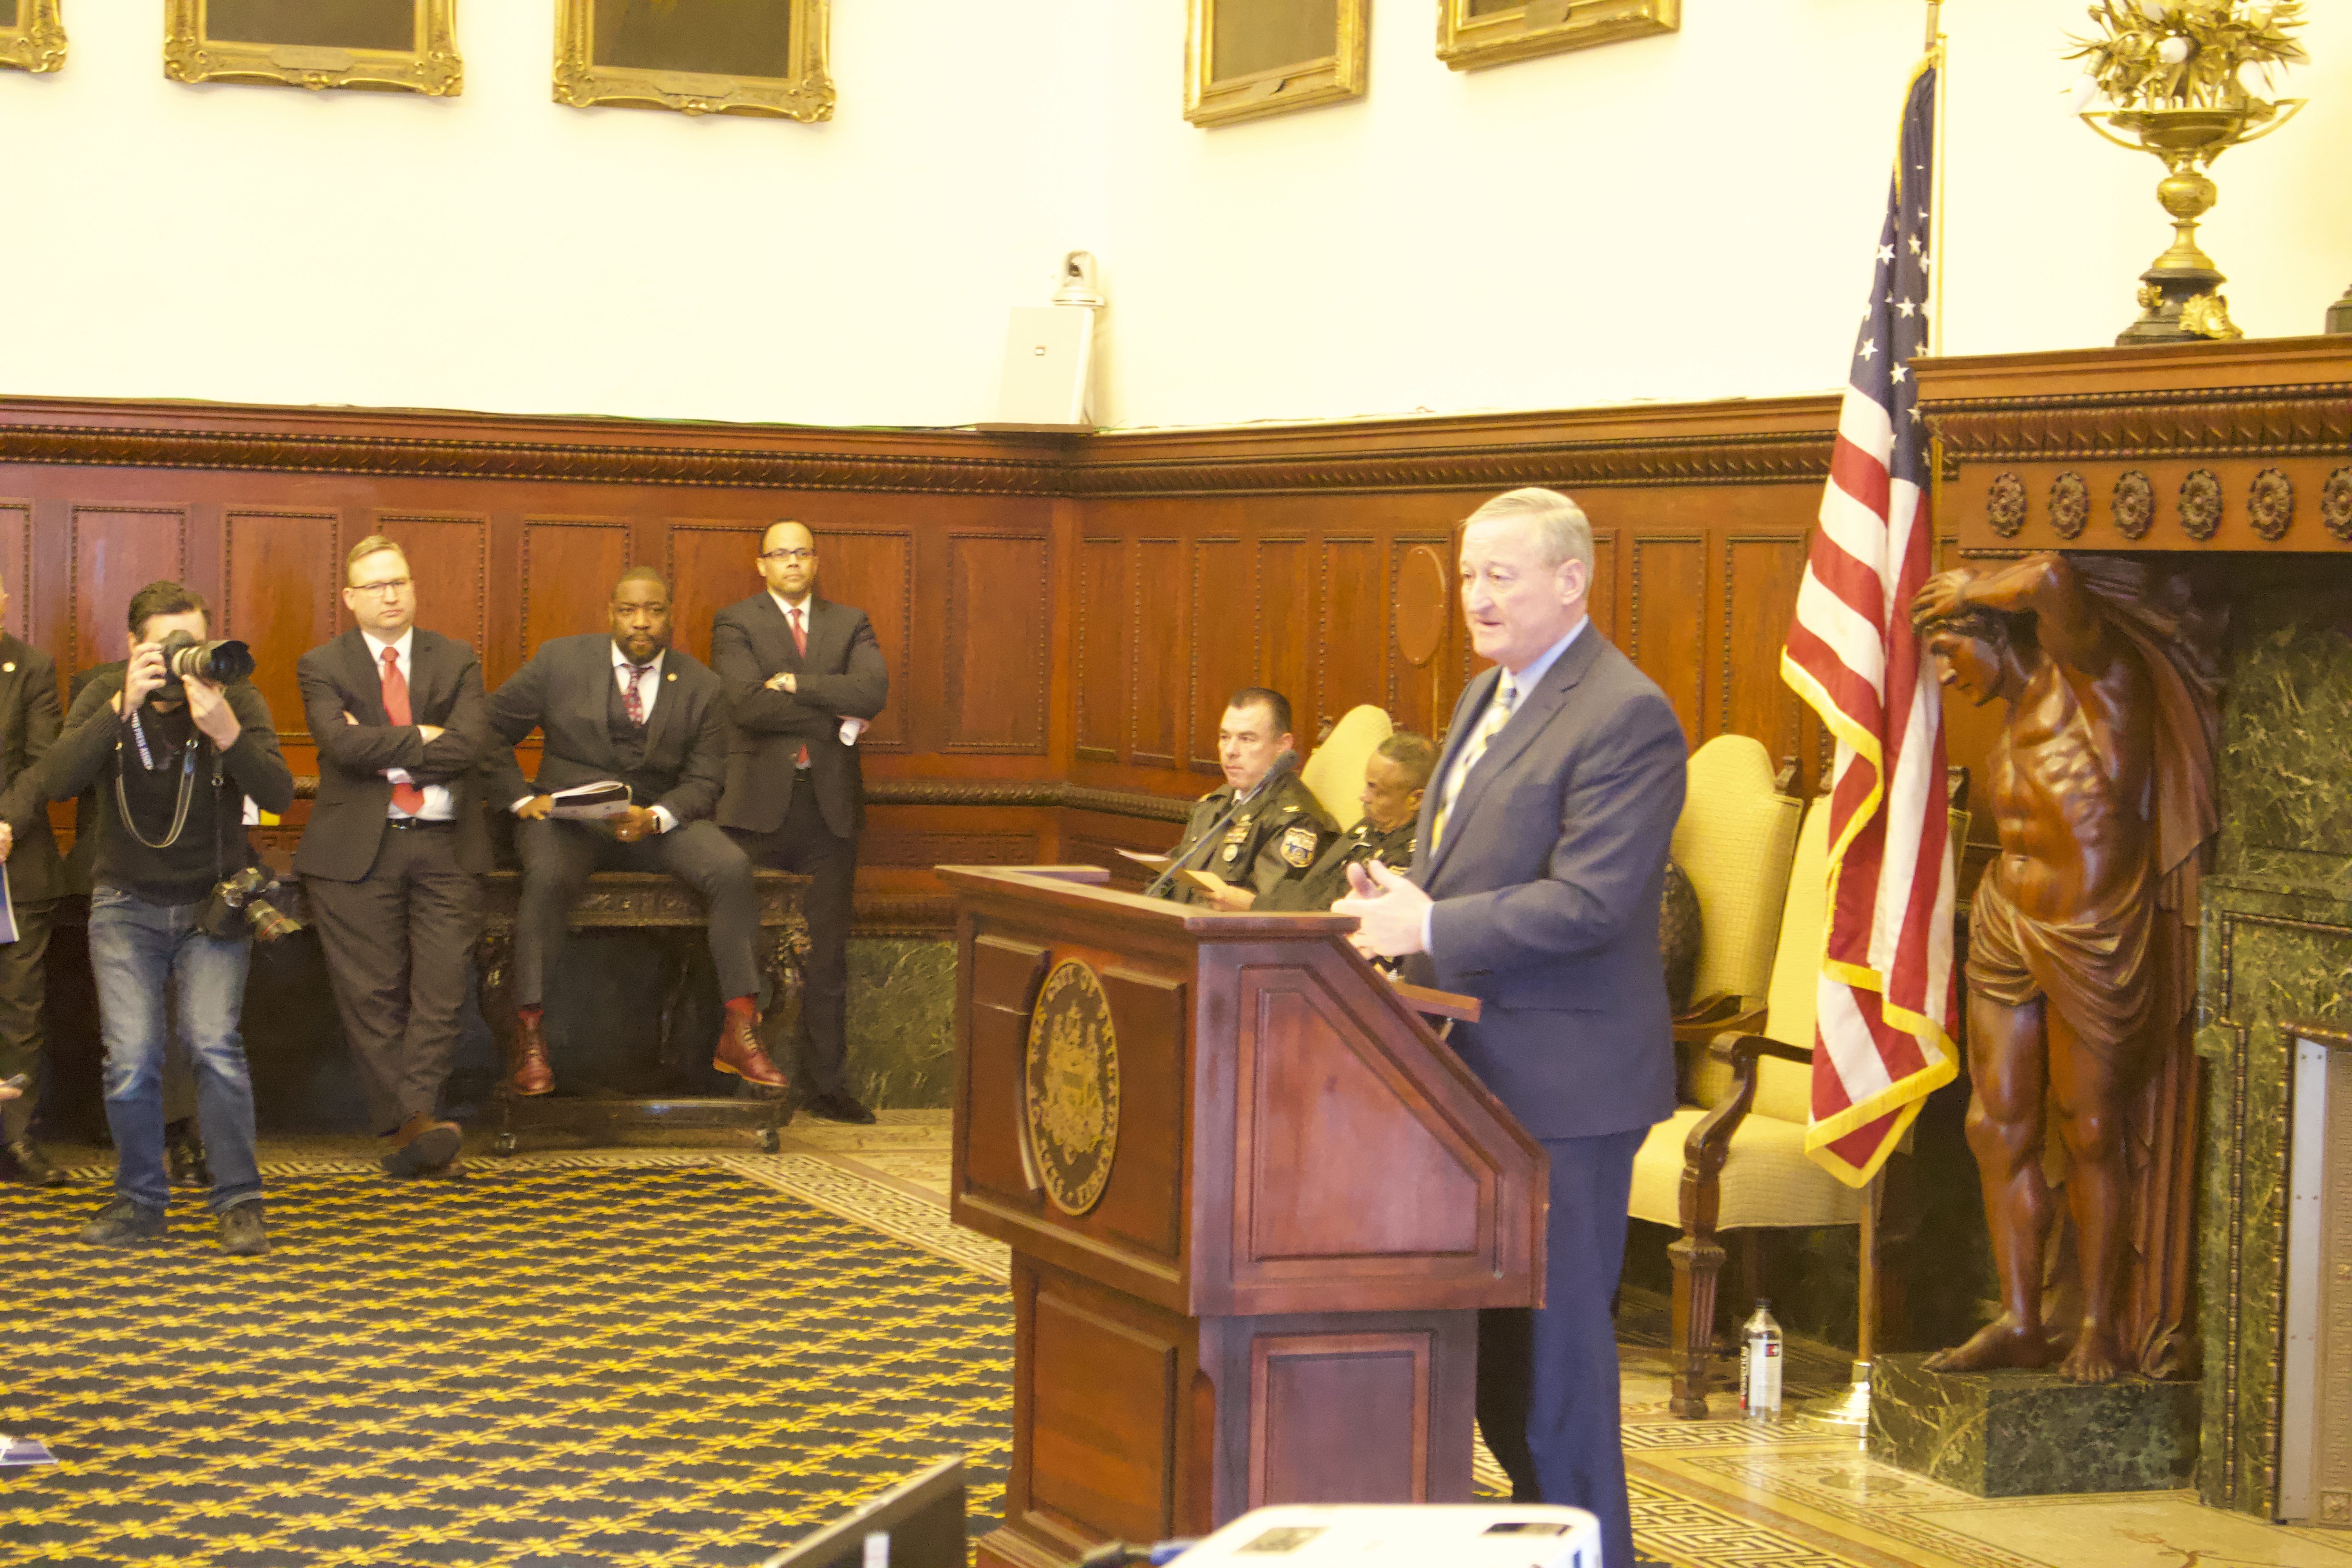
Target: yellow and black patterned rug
[(532, 1367)]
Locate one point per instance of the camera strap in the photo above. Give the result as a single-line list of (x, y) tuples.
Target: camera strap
[(137, 734)]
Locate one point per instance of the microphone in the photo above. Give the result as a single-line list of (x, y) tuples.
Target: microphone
[(1288, 762)]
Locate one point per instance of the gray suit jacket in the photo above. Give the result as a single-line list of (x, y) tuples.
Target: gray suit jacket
[(29, 721), (1548, 882), (562, 693)]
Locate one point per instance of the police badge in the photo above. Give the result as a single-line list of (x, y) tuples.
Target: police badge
[(1299, 848)]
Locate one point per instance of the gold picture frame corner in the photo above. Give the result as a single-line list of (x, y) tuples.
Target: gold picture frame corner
[(39, 45), (1545, 27), (433, 71), (807, 95), (1306, 84)]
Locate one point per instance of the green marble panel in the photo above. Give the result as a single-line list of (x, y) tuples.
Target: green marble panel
[(2028, 1434), (902, 1021), (2276, 945)]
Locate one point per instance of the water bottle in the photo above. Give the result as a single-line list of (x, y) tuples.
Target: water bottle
[(1760, 1366)]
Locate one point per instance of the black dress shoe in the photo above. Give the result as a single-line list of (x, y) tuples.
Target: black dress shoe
[(33, 1166), (839, 1108)]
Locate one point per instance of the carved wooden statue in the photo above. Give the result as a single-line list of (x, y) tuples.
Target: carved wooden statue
[(2081, 967)]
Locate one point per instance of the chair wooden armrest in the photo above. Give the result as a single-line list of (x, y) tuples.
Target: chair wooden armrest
[(1697, 1256), (1713, 1015), (1433, 1004)]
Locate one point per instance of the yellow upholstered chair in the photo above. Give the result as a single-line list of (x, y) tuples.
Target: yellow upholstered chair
[(1335, 773), (1733, 841), (1735, 1159)]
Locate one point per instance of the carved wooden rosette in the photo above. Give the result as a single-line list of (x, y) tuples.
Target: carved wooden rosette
[(2335, 504), (2135, 504), (2070, 505), (2270, 504), (2200, 505), (2005, 505)]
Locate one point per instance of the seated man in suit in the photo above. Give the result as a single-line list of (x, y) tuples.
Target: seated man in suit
[(1278, 831), (1395, 776), (627, 707)]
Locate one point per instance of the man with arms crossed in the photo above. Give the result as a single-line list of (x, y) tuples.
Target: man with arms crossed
[(182, 767), (394, 842), (1536, 889), (28, 726), (631, 708), (803, 679)]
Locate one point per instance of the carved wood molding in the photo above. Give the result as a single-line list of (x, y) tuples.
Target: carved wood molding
[(1729, 459), (1762, 441), (2286, 421)]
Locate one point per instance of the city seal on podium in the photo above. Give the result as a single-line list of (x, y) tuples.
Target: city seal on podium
[(1073, 1088)]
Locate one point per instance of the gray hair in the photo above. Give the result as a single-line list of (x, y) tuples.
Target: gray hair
[(1562, 531)]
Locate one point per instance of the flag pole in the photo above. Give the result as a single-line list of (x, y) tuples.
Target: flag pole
[(1850, 1412)]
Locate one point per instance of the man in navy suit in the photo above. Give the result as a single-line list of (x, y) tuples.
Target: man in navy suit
[(804, 678), (1535, 889)]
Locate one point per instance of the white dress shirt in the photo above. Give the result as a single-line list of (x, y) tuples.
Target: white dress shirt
[(440, 804), (1522, 682), (806, 608), (649, 687)]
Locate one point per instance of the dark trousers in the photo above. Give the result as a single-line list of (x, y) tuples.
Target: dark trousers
[(806, 846), (24, 986), (1547, 1378), (398, 942), (557, 858)]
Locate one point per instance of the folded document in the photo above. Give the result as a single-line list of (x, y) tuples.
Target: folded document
[(589, 801)]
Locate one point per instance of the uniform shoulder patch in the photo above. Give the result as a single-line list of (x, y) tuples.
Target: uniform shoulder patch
[(1297, 847)]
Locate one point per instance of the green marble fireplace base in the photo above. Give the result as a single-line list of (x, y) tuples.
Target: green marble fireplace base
[(2027, 1434)]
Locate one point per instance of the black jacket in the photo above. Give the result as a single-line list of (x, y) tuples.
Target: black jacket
[(214, 838), (29, 721), (843, 675), (347, 821), (564, 692)]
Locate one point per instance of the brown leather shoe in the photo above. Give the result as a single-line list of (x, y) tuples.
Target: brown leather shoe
[(741, 1053), (423, 1147), (527, 1069)]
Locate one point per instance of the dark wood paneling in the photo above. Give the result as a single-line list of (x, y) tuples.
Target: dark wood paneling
[(16, 565), (1103, 1394), (284, 572), (1155, 709), (1601, 604), (1415, 693), (1224, 650), (568, 568), (874, 569), (1355, 631), (1669, 632), (995, 654), (1101, 688), (1285, 623), (449, 558), (1761, 577), (114, 552), (1341, 1418), (712, 565)]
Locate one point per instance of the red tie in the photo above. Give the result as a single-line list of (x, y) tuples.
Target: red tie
[(406, 797), (800, 645)]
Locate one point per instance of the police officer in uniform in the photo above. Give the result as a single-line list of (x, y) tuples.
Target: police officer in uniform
[(1395, 774), (1279, 832)]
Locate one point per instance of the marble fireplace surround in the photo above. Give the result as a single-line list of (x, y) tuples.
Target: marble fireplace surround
[(2242, 453)]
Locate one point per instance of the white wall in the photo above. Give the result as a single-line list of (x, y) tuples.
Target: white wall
[(1677, 218)]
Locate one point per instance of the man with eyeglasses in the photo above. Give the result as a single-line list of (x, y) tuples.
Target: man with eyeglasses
[(626, 707), (394, 842), (803, 679)]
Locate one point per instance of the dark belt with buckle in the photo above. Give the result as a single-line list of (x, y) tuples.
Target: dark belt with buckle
[(412, 823)]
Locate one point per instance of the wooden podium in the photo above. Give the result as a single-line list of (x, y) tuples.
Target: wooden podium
[(1253, 1204)]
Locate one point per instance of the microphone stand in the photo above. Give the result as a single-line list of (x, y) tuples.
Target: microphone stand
[(1287, 762)]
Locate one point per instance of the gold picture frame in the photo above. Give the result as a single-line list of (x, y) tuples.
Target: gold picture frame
[(650, 54), (32, 39), (317, 44), (1476, 33), (1267, 57)]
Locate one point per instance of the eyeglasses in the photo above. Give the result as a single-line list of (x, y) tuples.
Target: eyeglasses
[(790, 554), (386, 589)]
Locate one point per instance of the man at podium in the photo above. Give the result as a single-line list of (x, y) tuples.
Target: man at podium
[(1536, 889)]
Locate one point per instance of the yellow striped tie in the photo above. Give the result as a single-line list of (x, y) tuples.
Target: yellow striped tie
[(1498, 713)]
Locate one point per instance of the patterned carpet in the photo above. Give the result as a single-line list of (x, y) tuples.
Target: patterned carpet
[(541, 1365)]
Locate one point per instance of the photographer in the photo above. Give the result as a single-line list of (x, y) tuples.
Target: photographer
[(177, 754)]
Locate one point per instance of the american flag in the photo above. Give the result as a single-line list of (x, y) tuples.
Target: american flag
[(1887, 1006)]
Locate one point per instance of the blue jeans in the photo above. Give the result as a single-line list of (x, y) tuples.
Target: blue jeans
[(137, 949)]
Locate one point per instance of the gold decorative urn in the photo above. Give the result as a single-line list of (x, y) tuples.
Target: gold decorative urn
[(2172, 71)]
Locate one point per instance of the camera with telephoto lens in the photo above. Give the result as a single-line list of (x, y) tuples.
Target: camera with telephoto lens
[(219, 662), (253, 901)]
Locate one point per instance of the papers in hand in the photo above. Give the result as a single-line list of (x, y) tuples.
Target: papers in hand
[(589, 801), (1155, 861), (8, 909)]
